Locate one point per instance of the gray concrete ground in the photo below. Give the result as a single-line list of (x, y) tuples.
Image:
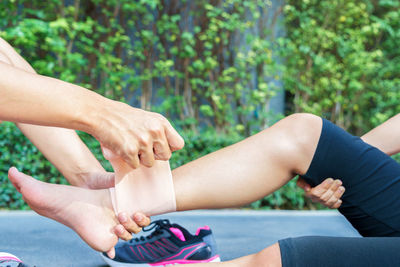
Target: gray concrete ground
[(46, 243)]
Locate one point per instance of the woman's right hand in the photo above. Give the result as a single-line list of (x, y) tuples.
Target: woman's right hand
[(137, 136), (328, 193), (128, 226)]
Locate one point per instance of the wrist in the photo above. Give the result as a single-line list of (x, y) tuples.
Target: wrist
[(90, 110)]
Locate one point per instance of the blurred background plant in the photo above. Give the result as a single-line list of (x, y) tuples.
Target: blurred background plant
[(216, 69)]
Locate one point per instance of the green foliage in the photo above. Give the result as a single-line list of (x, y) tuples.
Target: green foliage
[(17, 150), (20, 152), (202, 62), (343, 61), (210, 65)]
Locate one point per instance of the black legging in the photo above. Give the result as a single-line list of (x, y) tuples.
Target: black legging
[(314, 251), (371, 203)]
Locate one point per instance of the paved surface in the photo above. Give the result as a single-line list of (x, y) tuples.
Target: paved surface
[(45, 243)]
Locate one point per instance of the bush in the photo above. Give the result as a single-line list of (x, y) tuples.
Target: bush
[(211, 67), (343, 61), (18, 151), (201, 62)]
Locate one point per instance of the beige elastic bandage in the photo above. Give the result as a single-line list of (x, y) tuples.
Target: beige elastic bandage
[(148, 190)]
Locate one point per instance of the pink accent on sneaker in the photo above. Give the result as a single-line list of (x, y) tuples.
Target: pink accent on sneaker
[(196, 247), (206, 227), (178, 233), (164, 263), (137, 256), (7, 256)]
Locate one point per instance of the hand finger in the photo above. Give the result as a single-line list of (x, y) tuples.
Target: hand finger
[(122, 233), (339, 192), (131, 157), (337, 204), (175, 141), (161, 147), (147, 156), (320, 189), (330, 192), (141, 219), (128, 223), (303, 184), (111, 253), (333, 201)]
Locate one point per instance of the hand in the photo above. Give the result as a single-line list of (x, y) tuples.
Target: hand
[(137, 136), (328, 193), (130, 225)]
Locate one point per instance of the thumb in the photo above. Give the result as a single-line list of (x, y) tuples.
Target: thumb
[(15, 177), (175, 141), (111, 253)]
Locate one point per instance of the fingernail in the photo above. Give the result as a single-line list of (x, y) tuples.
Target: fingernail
[(339, 201), (119, 229), (341, 189), (123, 218), (338, 182), (138, 217), (329, 181)]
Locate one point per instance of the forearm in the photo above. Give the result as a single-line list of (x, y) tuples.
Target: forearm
[(35, 99), (135, 135), (62, 147), (386, 136)]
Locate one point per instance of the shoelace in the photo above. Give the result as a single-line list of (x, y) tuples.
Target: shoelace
[(158, 225)]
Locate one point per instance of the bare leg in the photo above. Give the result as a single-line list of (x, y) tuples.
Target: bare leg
[(268, 257), (251, 169), (231, 177)]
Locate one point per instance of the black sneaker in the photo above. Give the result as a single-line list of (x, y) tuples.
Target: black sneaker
[(168, 244)]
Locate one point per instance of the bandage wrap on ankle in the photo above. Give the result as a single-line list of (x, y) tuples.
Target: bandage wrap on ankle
[(148, 190)]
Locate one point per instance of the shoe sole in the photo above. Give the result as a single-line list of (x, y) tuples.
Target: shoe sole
[(121, 264)]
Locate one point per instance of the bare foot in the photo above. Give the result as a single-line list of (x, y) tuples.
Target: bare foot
[(87, 212)]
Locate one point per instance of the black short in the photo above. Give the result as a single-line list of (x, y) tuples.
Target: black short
[(371, 203), (319, 251)]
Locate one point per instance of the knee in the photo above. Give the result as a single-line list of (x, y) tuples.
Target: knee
[(303, 129), (302, 122), (299, 129), (295, 140)]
